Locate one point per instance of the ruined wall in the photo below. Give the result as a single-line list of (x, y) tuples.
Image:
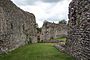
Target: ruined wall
[(47, 31), (30, 28), (12, 26), (78, 41), (53, 30)]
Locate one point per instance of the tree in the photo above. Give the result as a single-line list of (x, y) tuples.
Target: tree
[(63, 22)]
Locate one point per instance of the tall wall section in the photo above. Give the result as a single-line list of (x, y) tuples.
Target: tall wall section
[(78, 41), (12, 29)]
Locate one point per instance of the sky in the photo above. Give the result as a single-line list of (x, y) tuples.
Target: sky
[(50, 10)]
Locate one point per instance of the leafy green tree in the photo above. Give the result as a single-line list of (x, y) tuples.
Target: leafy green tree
[(63, 21)]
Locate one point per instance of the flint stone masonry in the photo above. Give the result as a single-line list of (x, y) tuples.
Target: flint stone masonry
[(17, 27), (78, 40), (52, 31)]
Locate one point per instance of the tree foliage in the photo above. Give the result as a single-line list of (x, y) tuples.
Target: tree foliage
[(63, 22)]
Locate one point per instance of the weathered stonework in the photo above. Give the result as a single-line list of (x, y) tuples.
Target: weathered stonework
[(53, 30), (30, 27), (16, 26), (78, 40)]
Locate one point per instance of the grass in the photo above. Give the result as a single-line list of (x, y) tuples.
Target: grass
[(61, 39), (39, 51)]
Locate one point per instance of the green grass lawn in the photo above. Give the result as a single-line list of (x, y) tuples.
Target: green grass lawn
[(39, 51), (61, 39)]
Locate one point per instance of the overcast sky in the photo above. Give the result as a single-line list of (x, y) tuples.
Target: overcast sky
[(50, 10)]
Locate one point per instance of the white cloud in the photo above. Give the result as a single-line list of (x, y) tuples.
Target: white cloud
[(46, 11)]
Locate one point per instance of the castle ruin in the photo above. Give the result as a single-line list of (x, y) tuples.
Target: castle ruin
[(52, 30)]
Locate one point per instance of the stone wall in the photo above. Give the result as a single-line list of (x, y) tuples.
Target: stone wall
[(78, 40), (30, 27), (15, 25), (53, 30)]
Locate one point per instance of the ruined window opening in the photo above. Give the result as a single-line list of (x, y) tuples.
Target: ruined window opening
[(11, 26), (23, 27)]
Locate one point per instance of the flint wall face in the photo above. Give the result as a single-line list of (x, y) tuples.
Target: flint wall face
[(13, 26), (78, 41)]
